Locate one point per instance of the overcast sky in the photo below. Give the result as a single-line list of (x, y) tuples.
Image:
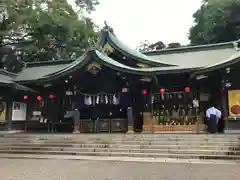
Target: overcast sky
[(152, 20)]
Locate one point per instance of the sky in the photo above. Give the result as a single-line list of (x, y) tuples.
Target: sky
[(154, 20)]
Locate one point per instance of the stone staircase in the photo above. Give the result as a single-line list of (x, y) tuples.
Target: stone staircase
[(184, 146)]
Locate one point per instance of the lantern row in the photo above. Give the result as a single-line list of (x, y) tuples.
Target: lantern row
[(162, 90), (39, 98)]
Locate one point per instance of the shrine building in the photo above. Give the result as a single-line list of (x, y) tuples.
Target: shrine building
[(163, 90)]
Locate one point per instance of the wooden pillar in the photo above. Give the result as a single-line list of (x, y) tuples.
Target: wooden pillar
[(9, 114)]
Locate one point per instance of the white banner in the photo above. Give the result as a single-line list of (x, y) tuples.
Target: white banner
[(19, 111)]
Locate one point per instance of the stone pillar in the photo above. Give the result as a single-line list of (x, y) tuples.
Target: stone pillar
[(130, 120), (76, 121)]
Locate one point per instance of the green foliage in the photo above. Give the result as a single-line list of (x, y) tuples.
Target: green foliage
[(145, 46), (41, 30), (216, 21), (174, 45)]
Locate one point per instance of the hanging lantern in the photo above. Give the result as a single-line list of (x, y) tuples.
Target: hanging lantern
[(51, 96), (25, 97), (144, 92), (162, 91), (187, 89), (39, 98), (124, 89)]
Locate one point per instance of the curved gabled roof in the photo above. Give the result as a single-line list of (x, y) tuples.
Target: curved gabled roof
[(130, 52), (49, 72), (202, 56), (6, 79)]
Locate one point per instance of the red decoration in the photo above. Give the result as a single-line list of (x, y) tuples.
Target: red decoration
[(124, 89), (187, 89), (25, 97), (51, 96), (39, 98), (144, 92), (162, 90)]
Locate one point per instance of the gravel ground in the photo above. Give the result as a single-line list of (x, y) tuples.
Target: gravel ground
[(30, 169)]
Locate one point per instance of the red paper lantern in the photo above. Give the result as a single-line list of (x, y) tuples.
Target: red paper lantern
[(39, 98), (51, 96), (25, 97), (187, 89), (162, 90), (144, 92), (124, 89)]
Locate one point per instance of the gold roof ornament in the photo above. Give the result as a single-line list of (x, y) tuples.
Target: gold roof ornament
[(108, 48), (141, 65)]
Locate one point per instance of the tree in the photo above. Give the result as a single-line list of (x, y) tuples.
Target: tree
[(157, 46), (40, 30), (144, 46), (216, 21), (174, 45)]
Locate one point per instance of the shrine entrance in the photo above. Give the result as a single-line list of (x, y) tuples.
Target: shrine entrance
[(101, 100), (103, 119)]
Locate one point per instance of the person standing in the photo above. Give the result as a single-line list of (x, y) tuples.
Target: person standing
[(212, 118)]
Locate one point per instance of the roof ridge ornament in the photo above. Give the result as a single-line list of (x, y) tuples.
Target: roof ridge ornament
[(108, 28), (236, 44)]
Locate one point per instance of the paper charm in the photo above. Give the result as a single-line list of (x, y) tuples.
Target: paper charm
[(106, 99), (97, 100)]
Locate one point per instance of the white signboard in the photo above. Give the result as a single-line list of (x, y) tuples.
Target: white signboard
[(19, 111)]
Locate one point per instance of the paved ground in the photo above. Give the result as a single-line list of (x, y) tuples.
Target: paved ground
[(30, 169)]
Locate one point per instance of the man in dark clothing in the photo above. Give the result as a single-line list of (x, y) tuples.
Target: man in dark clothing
[(221, 125), (213, 115)]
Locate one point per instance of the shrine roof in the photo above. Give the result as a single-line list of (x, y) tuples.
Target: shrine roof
[(204, 56), (130, 52), (51, 71), (145, 71), (44, 70), (6, 79)]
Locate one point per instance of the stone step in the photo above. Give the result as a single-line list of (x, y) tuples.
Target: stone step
[(118, 139), (126, 154), (216, 143), (126, 146), (163, 144), (121, 150), (72, 136), (121, 136)]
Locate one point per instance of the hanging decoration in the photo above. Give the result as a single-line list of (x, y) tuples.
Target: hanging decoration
[(88, 100), (97, 99), (51, 96), (162, 91), (25, 97), (39, 98), (100, 98), (106, 99), (115, 99), (187, 89), (124, 89), (144, 92)]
